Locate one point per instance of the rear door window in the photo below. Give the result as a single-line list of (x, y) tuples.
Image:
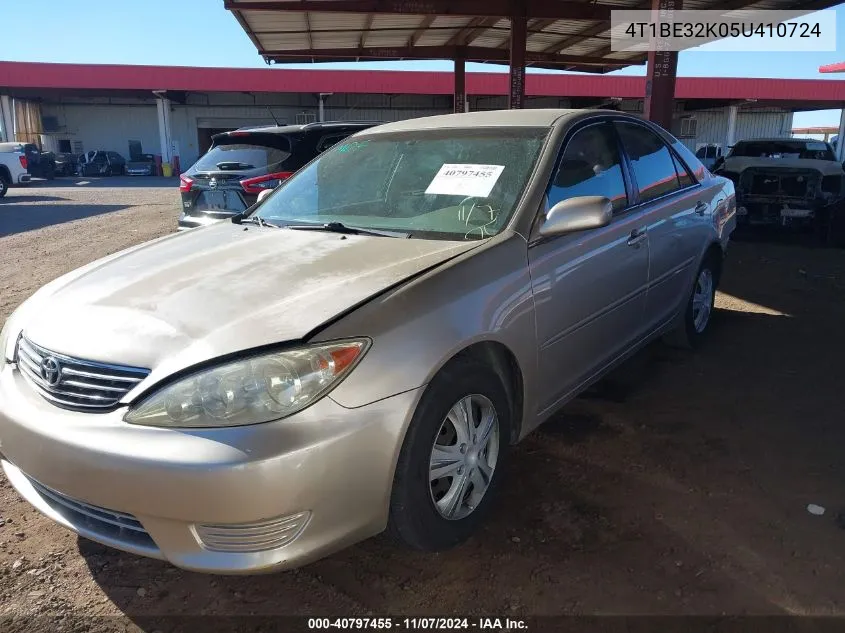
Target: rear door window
[(651, 161), (590, 166), (684, 178)]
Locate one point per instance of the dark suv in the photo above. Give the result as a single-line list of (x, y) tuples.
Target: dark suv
[(243, 163)]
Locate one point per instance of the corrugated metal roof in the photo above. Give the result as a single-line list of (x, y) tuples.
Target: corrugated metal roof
[(283, 32)]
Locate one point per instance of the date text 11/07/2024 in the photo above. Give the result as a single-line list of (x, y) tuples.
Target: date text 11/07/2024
[(421, 624)]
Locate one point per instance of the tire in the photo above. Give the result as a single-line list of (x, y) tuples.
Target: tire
[(694, 325), (4, 186), (415, 517)]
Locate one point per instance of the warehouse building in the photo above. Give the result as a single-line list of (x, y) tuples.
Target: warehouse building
[(174, 111)]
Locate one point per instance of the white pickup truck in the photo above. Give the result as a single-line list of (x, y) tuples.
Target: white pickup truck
[(13, 166)]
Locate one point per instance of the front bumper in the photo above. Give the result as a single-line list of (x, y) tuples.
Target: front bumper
[(321, 478)]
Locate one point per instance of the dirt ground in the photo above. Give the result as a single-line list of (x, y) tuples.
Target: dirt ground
[(679, 487)]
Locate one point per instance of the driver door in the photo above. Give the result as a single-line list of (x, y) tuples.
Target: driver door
[(589, 287)]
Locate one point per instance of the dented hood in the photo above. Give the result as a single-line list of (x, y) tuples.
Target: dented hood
[(190, 297)]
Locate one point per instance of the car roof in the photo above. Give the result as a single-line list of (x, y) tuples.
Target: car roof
[(322, 125), (539, 117)]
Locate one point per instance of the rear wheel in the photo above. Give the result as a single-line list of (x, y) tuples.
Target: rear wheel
[(4, 186), (452, 459), (695, 322)]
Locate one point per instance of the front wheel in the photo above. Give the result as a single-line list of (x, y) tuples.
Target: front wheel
[(452, 459)]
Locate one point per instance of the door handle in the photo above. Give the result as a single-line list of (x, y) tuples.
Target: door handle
[(700, 208), (637, 236)]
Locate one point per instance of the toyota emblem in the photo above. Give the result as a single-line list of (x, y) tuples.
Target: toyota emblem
[(51, 371)]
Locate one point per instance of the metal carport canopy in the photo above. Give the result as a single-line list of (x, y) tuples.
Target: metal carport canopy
[(555, 34)]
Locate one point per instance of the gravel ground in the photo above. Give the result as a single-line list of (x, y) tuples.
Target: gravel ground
[(680, 486)]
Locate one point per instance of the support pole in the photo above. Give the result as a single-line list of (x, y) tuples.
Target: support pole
[(840, 141), (730, 139), (519, 34), (659, 102), (460, 85), (165, 136)]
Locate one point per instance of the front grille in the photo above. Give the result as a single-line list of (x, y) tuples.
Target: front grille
[(74, 383), (109, 524), (252, 537)]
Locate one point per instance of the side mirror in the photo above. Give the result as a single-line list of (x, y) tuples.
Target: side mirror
[(264, 193), (577, 214)]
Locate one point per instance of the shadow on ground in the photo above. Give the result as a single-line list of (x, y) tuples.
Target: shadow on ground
[(11, 200), (111, 182), (21, 218)]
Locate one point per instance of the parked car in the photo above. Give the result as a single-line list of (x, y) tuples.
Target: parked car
[(709, 155), (101, 163), (786, 181), (66, 163), (361, 349), (143, 165), (13, 166), (242, 163), (39, 164)]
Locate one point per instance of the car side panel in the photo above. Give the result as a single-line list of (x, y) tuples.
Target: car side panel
[(590, 297), (484, 295), (676, 234)]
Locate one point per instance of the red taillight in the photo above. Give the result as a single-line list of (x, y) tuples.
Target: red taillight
[(185, 183), (23, 160), (267, 181)]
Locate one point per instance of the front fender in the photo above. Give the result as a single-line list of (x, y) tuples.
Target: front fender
[(484, 295)]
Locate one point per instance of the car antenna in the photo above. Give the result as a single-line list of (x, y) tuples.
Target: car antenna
[(275, 120)]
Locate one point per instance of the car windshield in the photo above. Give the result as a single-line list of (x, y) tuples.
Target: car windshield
[(816, 150), (438, 184)]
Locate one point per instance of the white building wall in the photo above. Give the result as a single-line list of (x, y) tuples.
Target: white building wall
[(712, 125), (106, 126), (103, 123)]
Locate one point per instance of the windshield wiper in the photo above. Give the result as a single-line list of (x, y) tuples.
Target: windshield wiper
[(340, 227), (255, 219)]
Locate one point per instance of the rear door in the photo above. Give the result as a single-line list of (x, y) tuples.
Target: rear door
[(229, 177), (589, 287), (675, 210)]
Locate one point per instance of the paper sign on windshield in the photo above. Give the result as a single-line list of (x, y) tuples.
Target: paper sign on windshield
[(465, 180)]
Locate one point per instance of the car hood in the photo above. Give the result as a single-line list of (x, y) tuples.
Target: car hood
[(186, 298), (738, 164)]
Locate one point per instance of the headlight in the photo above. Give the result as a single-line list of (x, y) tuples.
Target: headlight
[(252, 390)]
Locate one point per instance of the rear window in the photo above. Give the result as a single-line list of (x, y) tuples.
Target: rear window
[(245, 153)]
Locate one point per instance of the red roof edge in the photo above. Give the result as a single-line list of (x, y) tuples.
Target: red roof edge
[(30, 75), (833, 68)]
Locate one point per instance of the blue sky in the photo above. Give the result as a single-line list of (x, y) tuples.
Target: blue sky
[(202, 33)]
